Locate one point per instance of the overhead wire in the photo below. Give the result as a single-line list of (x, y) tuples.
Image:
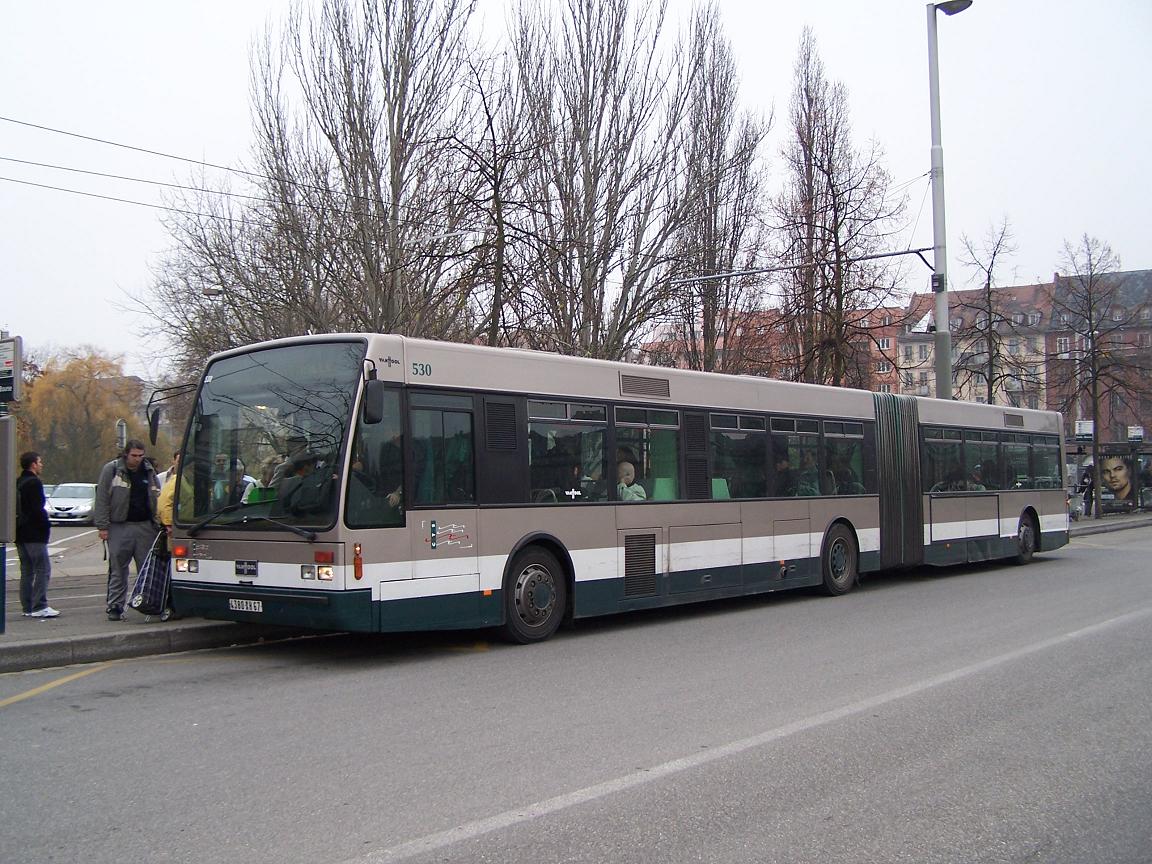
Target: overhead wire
[(199, 162), (250, 174), (130, 201), (134, 179)]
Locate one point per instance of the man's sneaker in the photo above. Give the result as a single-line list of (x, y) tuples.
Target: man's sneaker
[(115, 615), (46, 612)]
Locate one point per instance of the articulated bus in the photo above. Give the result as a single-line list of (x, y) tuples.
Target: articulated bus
[(382, 483)]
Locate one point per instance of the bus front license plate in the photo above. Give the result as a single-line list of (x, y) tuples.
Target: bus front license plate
[(245, 605)]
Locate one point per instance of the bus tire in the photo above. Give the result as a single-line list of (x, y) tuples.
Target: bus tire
[(535, 596), (839, 561), (1027, 537)]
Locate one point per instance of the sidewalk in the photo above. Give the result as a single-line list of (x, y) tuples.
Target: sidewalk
[(83, 635), (1110, 522)]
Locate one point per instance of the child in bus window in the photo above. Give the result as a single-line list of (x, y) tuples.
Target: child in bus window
[(627, 489)]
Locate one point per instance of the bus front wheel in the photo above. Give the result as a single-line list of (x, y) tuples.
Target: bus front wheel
[(535, 596), (839, 561)]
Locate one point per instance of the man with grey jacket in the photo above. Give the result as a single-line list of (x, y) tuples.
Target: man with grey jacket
[(126, 518)]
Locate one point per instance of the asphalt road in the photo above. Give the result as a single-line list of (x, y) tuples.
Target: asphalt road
[(982, 714)]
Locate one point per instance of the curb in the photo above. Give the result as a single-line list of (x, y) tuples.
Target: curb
[(45, 654), (1106, 528)]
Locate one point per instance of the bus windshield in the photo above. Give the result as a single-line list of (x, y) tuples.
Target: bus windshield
[(266, 437)]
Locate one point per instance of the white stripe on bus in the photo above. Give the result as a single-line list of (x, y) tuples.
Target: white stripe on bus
[(394, 579)]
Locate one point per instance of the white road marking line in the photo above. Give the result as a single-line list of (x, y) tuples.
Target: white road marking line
[(520, 815)]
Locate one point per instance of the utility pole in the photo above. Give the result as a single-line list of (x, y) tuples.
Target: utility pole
[(943, 342)]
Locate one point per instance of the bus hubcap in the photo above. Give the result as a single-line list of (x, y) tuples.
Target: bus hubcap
[(1026, 537), (535, 595), (838, 561)]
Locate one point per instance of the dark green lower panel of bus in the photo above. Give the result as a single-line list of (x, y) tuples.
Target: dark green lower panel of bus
[(338, 610), (609, 596), (356, 610), (960, 551), (335, 610)]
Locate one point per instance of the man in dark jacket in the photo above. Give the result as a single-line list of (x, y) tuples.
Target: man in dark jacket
[(32, 531), (125, 515)]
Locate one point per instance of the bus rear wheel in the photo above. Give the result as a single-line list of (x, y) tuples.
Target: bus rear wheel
[(535, 596), (839, 561), (1026, 535)]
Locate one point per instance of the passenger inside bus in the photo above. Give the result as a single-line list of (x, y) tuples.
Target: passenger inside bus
[(296, 444), (228, 481), (785, 476), (808, 480), (627, 489), (975, 480), (289, 500), (952, 482), (263, 489), (375, 481)]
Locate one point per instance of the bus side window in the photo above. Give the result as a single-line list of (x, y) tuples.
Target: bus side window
[(375, 478), (784, 471), (739, 463), (567, 463), (649, 440), (943, 469), (442, 466)]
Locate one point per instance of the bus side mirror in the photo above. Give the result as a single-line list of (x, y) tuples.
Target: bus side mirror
[(373, 401), (153, 425)]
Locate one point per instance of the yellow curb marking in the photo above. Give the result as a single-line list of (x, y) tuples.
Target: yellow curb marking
[(44, 688), (474, 648)]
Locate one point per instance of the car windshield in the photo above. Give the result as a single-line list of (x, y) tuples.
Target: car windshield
[(266, 437), (74, 490)]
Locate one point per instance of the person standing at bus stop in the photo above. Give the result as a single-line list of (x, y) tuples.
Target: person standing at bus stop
[(32, 532), (126, 518)]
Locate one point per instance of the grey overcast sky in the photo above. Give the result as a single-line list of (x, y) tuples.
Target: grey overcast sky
[(1046, 121)]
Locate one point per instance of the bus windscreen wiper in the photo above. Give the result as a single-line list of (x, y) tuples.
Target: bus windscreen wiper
[(215, 514), (310, 536)]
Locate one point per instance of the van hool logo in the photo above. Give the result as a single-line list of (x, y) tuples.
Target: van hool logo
[(448, 535), (390, 361)]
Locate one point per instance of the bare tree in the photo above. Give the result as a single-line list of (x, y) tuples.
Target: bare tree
[(358, 207), (836, 209), (989, 339), (495, 155), (713, 319), (1097, 370), (604, 101)]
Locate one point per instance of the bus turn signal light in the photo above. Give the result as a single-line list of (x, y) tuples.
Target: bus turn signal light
[(357, 563)]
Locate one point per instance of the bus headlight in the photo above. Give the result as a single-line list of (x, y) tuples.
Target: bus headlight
[(185, 565), (307, 571), (324, 572)]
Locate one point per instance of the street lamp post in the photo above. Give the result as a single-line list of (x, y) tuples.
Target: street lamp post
[(943, 342)]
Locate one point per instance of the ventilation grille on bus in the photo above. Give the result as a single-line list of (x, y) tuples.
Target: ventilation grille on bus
[(500, 426), (1016, 420), (640, 565), (639, 385), (696, 456)]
